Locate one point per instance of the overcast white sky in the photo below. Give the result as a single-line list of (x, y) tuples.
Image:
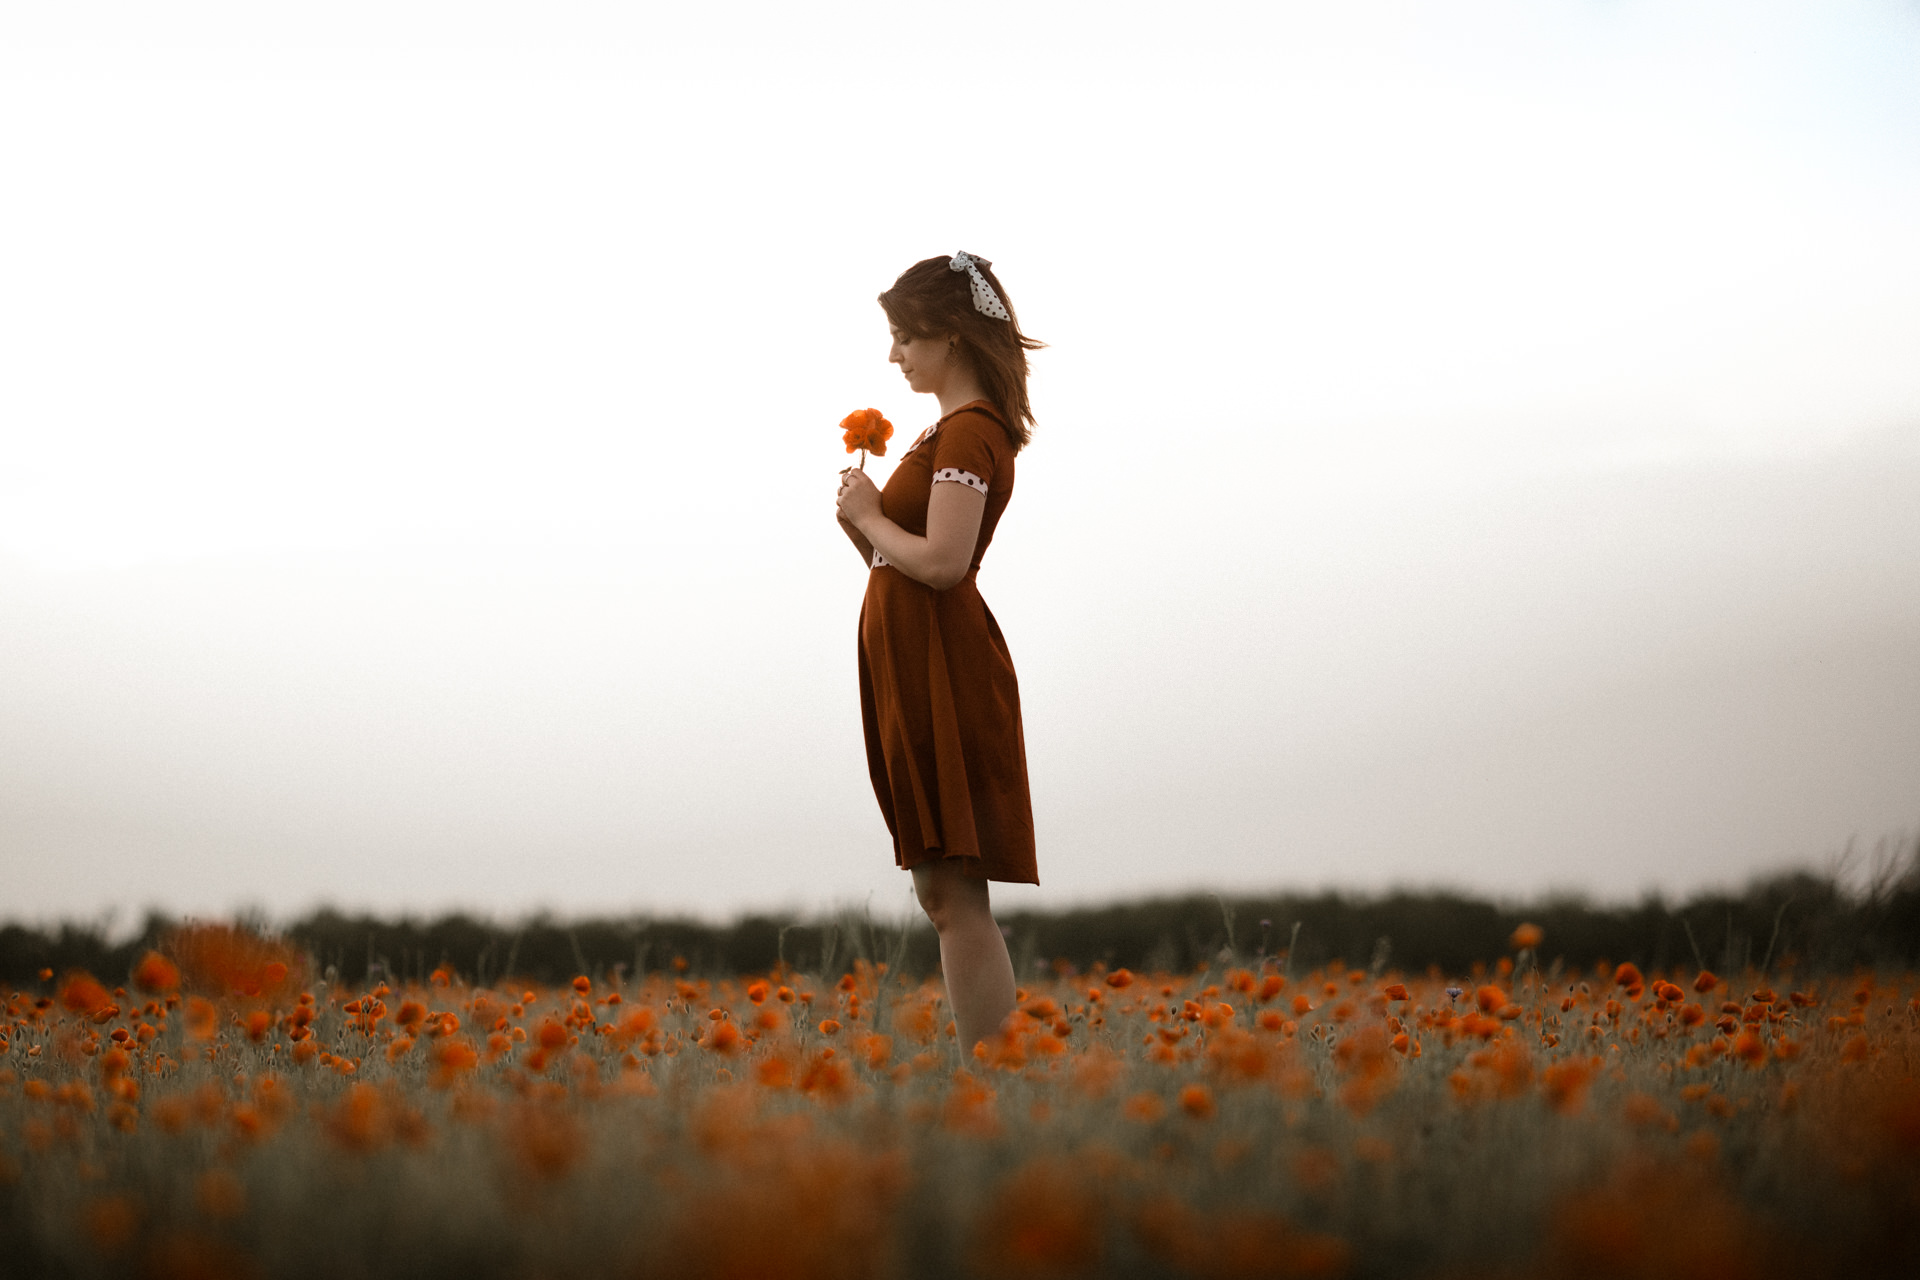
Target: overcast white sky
[(1478, 444)]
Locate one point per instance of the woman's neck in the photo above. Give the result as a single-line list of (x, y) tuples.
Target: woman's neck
[(959, 389)]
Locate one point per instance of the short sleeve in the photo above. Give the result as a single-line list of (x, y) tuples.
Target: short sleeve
[(965, 450)]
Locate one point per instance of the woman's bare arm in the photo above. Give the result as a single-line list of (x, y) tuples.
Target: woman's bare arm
[(942, 558)]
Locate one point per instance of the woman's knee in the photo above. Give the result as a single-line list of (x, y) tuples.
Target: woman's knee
[(948, 897)]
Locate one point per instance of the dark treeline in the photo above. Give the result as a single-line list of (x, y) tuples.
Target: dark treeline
[(1800, 921)]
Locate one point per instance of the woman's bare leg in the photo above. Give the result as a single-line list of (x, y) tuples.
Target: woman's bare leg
[(973, 951)]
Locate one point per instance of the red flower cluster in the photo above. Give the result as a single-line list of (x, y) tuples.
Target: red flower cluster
[(865, 430)]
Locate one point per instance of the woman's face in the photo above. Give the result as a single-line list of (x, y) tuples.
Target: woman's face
[(922, 360)]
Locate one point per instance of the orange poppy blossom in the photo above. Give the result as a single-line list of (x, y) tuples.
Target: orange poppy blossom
[(1527, 937), (864, 431), (155, 974)]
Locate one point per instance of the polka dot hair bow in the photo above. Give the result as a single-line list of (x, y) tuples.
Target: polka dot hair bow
[(985, 300)]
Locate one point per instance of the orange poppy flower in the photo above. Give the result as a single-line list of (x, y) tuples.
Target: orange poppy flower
[(451, 1060), (864, 431), (636, 1023), (1041, 1008), (725, 1039), (1565, 1084), (827, 1076), (917, 1020), (774, 1073), (202, 1019), (546, 1141), (155, 974), (1526, 937), (361, 1121), (82, 994), (232, 961), (877, 1050)]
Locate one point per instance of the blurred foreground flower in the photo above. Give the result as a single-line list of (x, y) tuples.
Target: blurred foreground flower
[(224, 960)]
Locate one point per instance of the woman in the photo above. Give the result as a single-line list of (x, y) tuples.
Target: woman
[(938, 694)]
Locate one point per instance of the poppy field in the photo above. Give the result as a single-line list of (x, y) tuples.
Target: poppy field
[(221, 1110)]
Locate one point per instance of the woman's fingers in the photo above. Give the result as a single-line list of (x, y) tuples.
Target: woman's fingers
[(857, 493)]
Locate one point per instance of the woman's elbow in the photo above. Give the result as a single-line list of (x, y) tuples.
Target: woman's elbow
[(945, 576)]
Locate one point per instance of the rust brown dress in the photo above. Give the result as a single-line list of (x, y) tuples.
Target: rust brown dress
[(938, 695)]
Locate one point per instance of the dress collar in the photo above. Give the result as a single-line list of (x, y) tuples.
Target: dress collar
[(985, 406)]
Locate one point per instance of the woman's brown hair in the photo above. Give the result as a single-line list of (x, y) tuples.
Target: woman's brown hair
[(931, 300)]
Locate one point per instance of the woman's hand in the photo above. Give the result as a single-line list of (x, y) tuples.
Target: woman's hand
[(854, 536), (859, 500)]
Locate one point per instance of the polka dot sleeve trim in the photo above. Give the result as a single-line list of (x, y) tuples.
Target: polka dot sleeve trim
[(957, 476)]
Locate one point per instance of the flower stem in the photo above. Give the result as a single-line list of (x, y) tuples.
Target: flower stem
[(863, 459)]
